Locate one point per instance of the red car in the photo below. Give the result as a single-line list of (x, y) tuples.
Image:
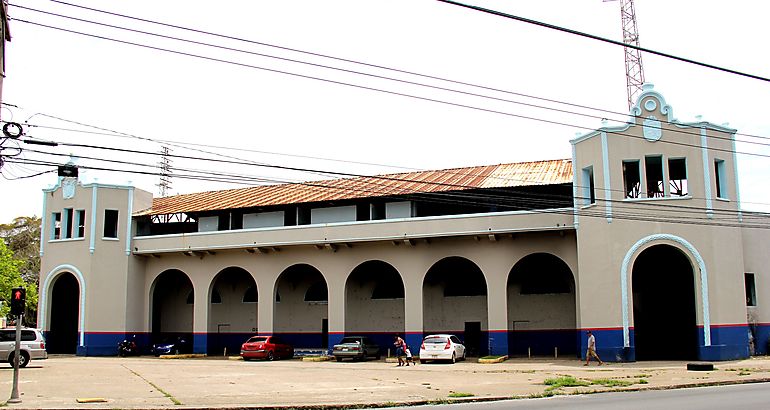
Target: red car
[(266, 347)]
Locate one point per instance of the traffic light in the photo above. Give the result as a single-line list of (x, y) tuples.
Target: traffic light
[(18, 301)]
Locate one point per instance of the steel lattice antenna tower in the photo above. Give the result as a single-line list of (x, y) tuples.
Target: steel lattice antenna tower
[(634, 71), (164, 186)]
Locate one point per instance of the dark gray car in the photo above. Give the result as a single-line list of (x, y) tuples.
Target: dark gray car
[(356, 348)]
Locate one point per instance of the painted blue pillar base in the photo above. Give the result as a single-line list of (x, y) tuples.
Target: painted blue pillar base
[(414, 341), (609, 345), (334, 339), (722, 352), (727, 343), (200, 343), (498, 342)]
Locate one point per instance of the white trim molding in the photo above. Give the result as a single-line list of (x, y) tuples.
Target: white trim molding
[(624, 273), (706, 172), (45, 296), (606, 172)]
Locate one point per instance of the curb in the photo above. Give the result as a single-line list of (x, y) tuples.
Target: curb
[(493, 361)]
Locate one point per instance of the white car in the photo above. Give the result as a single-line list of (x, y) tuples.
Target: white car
[(32, 346), (441, 347)]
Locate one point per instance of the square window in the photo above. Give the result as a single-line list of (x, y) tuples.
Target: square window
[(677, 176), (110, 223), (80, 222), (56, 225), (631, 179)]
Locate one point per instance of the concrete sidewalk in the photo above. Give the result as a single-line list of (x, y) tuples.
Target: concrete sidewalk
[(148, 382)]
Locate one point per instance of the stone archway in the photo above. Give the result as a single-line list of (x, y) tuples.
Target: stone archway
[(664, 305), (62, 336), (301, 313), (455, 301), (374, 302), (541, 307), (233, 301), (173, 301)]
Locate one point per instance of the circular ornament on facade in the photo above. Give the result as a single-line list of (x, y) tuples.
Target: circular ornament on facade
[(652, 128), (650, 105)]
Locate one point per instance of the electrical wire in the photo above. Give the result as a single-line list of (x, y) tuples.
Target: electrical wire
[(248, 41), (603, 39), (625, 116)]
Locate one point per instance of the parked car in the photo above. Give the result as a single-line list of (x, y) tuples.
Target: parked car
[(266, 347), (32, 346), (441, 347), (356, 348), (172, 345)]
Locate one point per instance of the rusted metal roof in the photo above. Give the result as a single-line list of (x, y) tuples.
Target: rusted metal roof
[(458, 179)]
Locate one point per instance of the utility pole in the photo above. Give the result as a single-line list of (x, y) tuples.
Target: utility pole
[(164, 186), (634, 71)]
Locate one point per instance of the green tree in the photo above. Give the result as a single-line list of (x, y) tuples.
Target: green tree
[(10, 277), (22, 236)]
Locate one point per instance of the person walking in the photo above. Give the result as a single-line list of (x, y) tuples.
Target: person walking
[(591, 352), (399, 343)]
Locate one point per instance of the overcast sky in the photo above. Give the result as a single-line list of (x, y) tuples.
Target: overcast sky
[(279, 119)]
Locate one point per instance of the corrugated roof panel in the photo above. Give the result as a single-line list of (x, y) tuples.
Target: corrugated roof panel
[(457, 179)]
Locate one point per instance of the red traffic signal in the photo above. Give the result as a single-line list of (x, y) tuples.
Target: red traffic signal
[(18, 301)]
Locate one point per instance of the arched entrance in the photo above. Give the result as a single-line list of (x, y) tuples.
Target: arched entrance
[(455, 301), (301, 307), (541, 306), (374, 302), (65, 300), (172, 310), (233, 301), (663, 287)]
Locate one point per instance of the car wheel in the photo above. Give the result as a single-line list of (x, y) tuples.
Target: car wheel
[(270, 356), (464, 351), (454, 358), (364, 356), (339, 359), (23, 360)]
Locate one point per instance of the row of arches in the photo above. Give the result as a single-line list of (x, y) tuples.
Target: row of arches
[(541, 298)]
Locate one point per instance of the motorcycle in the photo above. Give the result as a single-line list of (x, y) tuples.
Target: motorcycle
[(128, 348)]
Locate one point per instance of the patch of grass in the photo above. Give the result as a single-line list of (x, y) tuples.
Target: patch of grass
[(564, 381), (640, 376), (460, 394), (743, 373), (542, 395), (642, 381), (611, 382), (439, 401)]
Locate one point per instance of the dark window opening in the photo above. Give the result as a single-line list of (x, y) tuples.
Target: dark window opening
[(223, 222), (190, 298), (290, 217), (377, 211), (631, 179), (81, 223), (236, 220), (69, 216), (677, 176), (110, 223), (303, 216), (317, 292), (751, 290), (56, 227), (215, 296), (719, 175), (653, 170), (589, 194), (250, 296), (465, 288), (362, 212), (391, 289)]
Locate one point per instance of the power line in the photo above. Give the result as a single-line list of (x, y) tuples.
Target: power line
[(603, 39), (624, 115)]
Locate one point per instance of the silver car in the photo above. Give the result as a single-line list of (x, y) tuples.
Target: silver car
[(32, 346)]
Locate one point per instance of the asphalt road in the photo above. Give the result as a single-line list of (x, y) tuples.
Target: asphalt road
[(743, 396)]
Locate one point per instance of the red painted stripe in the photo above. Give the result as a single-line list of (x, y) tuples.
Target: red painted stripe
[(601, 328), (726, 325)]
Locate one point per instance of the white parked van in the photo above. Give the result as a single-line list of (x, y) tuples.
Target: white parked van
[(32, 346)]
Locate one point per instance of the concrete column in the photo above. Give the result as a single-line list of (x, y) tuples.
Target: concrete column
[(497, 311), (413, 310), (336, 310), (265, 305), (200, 318)]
